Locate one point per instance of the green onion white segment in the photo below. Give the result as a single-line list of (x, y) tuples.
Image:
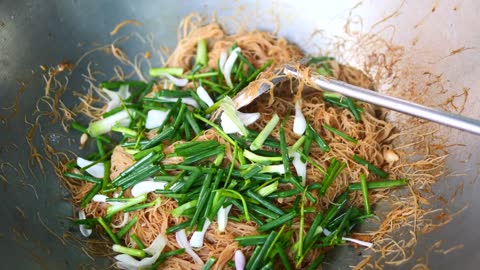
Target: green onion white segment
[(127, 262), (115, 98), (105, 125), (83, 228), (203, 94), (227, 69), (155, 118), (182, 241)]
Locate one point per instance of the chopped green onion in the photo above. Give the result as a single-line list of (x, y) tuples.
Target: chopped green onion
[(301, 229), (129, 251), (283, 257), (127, 227), (254, 75), (312, 162), (270, 206), (139, 175), (234, 194), (143, 153), (151, 157), (83, 129), (111, 85), (267, 190), (257, 258), (108, 231), (335, 168), (86, 178), (208, 265), (370, 166), (261, 159), (190, 181), (252, 240), (319, 140), (104, 125), (286, 163), (106, 174), (285, 193), (339, 133), (164, 256), (216, 127), (353, 109), (95, 189), (178, 227), (266, 131), (201, 75), (137, 241), (228, 107), (278, 222), (296, 145), (193, 123), (155, 72), (242, 58), (113, 209), (142, 206), (145, 91), (363, 183), (312, 231), (124, 130), (203, 197), (179, 210), (250, 170)]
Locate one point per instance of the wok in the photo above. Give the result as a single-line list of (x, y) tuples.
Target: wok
[(440, 37)]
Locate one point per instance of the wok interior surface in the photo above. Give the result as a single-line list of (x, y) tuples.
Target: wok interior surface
[(440, 38)]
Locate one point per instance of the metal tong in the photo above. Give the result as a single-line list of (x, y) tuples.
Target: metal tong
[(396, 104)]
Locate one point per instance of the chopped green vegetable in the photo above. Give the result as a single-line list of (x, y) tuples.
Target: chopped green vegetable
[(379, 184), (363, 184), (339, 133), (370, 166), (113, 209), (202, 54), (263, 135), (155, 72), (129, 251)]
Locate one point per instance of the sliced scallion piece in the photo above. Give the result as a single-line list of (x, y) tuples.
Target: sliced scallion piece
[(129, 251), (179, 210), (263, 135), (278, 222), (108, 230), (370, 166), (154, 72), (340, 134), (379, 184), (137, 241), (332, 173), (208, 265), (113, 209), (127, 227), (364, 188), (202, 55)]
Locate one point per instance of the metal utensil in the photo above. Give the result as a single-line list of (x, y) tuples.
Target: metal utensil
[(396, 104)]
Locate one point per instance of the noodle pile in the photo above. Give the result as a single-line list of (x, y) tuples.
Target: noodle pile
[(375, 137)]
